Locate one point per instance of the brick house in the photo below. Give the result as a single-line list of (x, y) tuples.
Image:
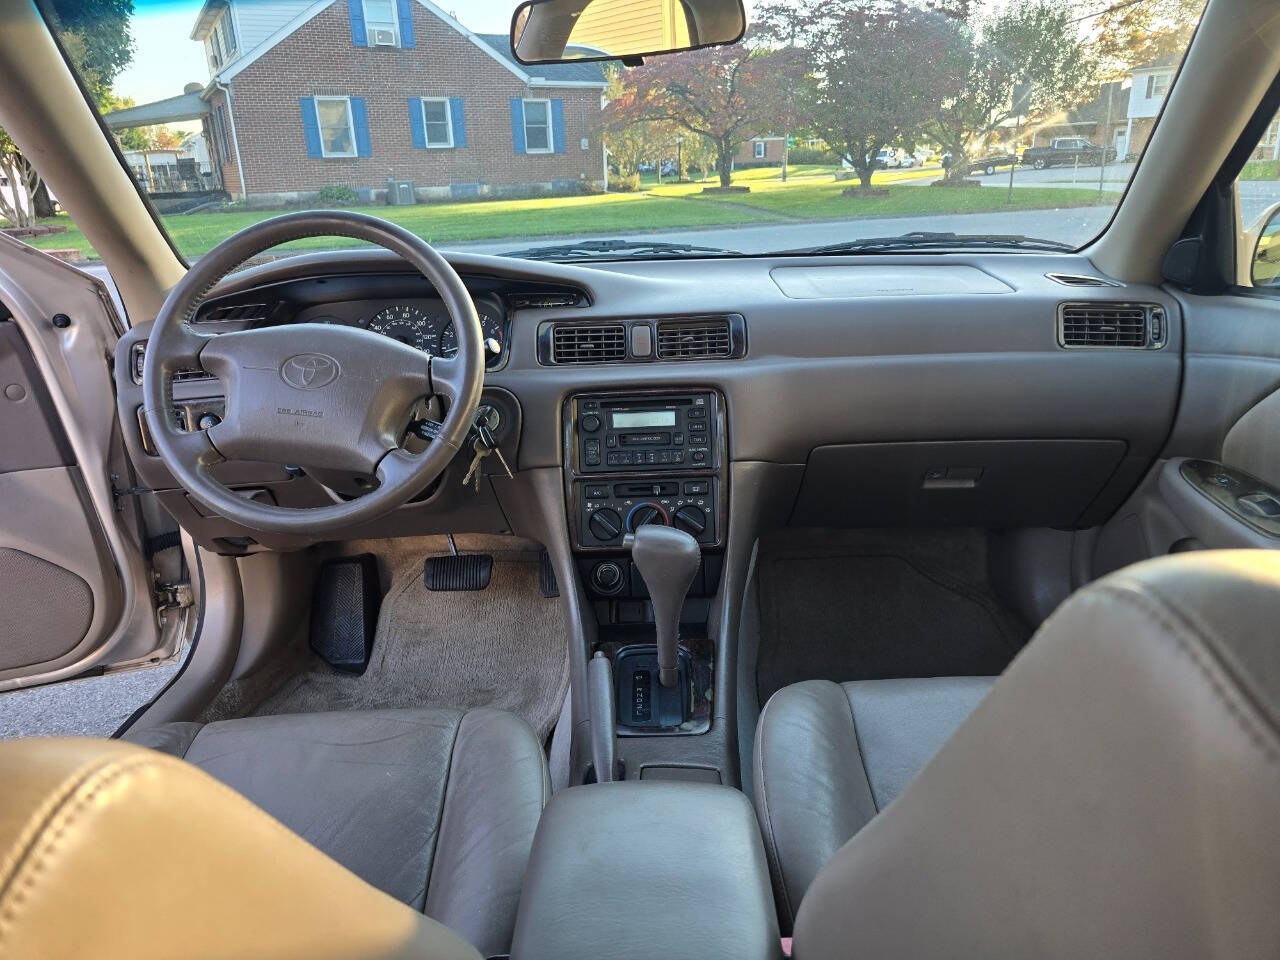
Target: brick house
[(759, 151), (366, 93)]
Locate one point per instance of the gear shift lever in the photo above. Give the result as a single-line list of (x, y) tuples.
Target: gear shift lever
[(667, 559)]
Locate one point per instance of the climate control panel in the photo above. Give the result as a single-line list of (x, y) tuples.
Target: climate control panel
[(609, 510)]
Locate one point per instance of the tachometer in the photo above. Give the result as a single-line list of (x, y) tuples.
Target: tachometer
[(408, 325), (492, 330)]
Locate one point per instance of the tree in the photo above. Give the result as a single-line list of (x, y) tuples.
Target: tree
[(721, 93), (17, 204), (1034, 46), (1129, 36), (878, 74), (95, 35)]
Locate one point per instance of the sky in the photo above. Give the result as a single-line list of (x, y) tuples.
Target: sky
[(166, 59)]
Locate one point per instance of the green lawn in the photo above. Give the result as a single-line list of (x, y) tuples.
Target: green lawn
[(810, 193)]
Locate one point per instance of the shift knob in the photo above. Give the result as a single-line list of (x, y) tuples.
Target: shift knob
[(668, 561)]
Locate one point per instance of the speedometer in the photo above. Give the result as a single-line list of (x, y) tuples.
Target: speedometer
[(408, 325), (491, 331)]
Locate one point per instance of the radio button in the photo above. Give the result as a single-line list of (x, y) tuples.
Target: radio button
[(678, 439), (697, 413), (591, 423), (699, 456)]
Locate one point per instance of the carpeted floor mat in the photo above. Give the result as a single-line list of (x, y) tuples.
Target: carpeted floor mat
[(503, 646), (861, 605)]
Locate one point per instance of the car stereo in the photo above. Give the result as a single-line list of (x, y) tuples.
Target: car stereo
[(645, 432)]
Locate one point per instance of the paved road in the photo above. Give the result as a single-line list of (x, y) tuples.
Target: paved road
[(1073, 225)]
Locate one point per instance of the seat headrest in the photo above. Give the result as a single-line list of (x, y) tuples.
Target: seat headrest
[(115, 851)]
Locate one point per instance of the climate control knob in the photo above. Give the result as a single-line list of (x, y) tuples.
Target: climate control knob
[(605, 524), (643, 513), (690, 519)]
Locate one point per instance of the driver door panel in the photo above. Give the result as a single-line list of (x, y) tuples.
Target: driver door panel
[(75, 589)]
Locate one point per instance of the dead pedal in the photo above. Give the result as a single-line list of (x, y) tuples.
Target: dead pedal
[(547, 585), (470, 571)]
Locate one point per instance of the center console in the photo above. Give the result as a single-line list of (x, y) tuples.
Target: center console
[(639, 869), (650, 459)]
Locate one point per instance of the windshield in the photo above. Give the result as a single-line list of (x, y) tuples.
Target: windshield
[(1014, 124)]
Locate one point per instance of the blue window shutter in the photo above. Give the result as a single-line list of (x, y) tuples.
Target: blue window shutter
[(416, 126), (310, 126), (360, 120), (459, 122), (557, 126), (355, 10), (517, 124), (404, 13)]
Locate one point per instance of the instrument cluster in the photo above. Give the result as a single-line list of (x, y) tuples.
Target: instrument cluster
[(421, 323)]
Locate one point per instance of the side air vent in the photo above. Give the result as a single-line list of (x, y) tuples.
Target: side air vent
[(588, 343), (237, 313), (1081, 280), (1134, 326), (545, 301), (694, 339)]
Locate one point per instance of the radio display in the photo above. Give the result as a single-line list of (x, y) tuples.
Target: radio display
[(642, 419)]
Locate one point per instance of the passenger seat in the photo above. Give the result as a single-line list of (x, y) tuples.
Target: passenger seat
[(829, 757)]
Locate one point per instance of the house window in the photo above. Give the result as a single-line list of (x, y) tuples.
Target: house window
[(381, 24), (537, 126), (759, 149), (1157, 85), (436, 122), (224, 138), (337, 130)]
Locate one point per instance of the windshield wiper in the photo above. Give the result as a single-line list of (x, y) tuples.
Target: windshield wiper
[(613, 248), (925, 240)]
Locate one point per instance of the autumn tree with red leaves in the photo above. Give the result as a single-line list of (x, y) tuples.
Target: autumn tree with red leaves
[(725, 94)]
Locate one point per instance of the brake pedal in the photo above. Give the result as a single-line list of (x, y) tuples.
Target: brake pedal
[(470, 571), (344, 612)]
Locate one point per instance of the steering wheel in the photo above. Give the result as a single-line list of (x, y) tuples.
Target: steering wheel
[(317, 395)]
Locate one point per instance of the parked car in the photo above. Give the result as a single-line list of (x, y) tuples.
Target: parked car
[(984, 165), (908, 160), (887, 158), (1067, 150)]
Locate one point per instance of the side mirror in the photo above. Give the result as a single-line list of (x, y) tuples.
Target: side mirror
[(561, 31), (1264, 268)]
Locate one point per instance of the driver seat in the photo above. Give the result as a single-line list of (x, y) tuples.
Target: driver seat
[(435, 807)]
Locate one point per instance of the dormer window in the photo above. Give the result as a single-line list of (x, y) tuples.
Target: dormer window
[(221, 42), (382, 26)]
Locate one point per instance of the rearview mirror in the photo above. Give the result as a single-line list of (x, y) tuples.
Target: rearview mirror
[(560, 31)]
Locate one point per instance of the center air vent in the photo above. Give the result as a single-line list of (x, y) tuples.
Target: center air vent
[(588, 343), (694, 339), (1123, 325)]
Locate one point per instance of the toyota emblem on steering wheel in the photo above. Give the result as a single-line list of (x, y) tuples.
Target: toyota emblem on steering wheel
[(309, 371)]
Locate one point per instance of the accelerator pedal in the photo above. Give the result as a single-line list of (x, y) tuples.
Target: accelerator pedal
[(468, 571), (344, 612)]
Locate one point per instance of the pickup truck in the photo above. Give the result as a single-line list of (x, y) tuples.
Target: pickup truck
[(1066, 150)]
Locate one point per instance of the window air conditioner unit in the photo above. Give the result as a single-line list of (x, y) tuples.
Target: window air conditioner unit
[(383, 38)]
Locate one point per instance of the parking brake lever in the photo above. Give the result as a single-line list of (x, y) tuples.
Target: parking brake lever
[(668, 560), (601, 710)]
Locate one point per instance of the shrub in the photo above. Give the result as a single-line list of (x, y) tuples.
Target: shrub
[(809, 155), (627, 184), (337, 196)]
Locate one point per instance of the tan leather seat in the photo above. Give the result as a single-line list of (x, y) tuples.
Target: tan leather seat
[(109, 850), (1113, 795)]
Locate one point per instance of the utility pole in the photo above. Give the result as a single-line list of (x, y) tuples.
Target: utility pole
[(1021, 96), (1106, 133)]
